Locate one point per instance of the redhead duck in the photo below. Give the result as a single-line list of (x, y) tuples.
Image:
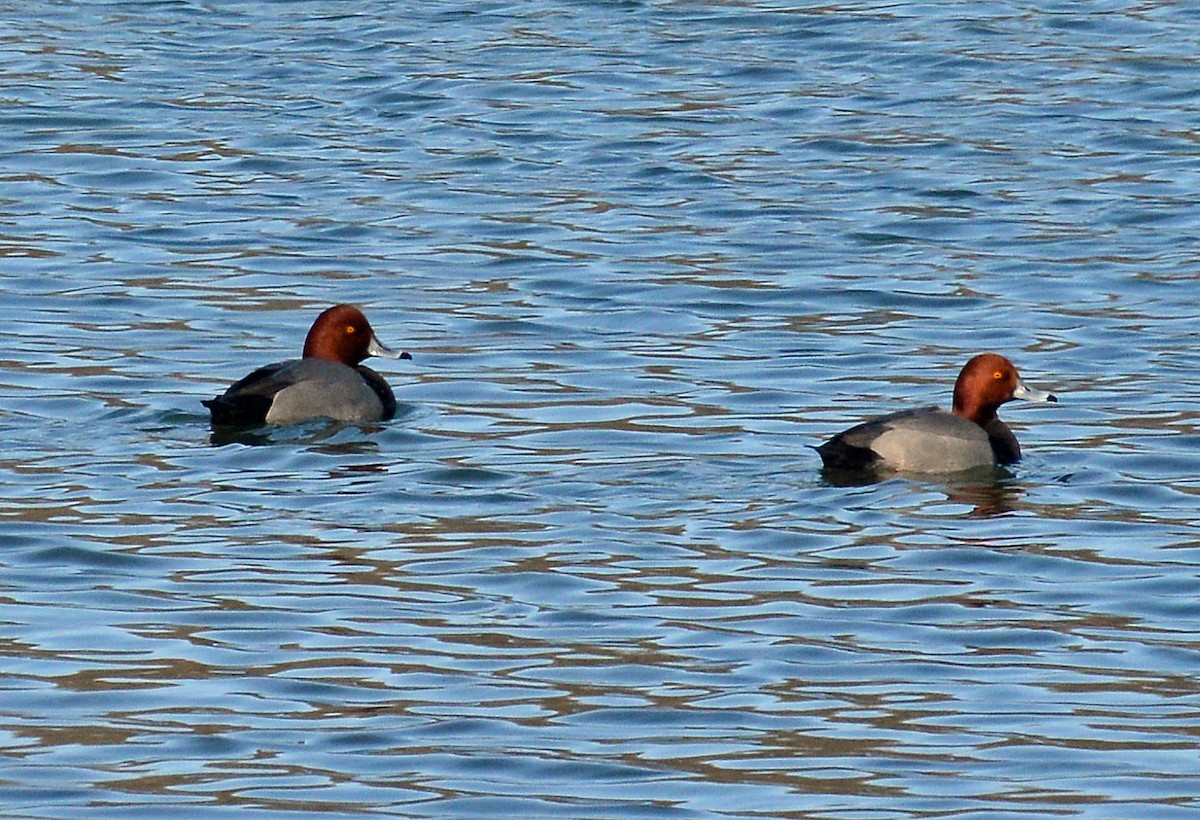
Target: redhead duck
[(327, 382), (930, 440)]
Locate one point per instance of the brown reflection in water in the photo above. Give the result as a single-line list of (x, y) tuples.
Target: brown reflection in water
[(987, 498), (988, 491)]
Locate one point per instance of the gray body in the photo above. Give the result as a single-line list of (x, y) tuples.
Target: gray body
[(928, 440), (323, 388), (301, 389)]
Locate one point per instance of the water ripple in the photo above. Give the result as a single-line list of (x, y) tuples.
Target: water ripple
[(646, 255)]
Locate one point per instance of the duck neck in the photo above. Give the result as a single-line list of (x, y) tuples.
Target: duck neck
[(315, 352), (981, 414), (316, 347)]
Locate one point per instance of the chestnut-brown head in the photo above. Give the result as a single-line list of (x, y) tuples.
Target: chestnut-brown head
[(986, 382), (343, 334)]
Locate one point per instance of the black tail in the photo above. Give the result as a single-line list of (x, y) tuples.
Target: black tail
[(244, 411)]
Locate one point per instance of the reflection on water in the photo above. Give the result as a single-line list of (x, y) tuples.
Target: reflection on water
[(319, 435), (987, 498), (651, 255), (986, 492)]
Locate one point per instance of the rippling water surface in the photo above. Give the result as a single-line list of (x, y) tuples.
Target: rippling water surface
[(646, 255)]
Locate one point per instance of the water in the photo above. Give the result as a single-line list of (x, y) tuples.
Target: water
[(645, 255)]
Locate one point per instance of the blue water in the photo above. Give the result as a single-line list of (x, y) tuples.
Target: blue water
[(645, 255)]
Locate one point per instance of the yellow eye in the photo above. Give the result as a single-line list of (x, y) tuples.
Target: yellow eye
[(998, 375), (351, 329)]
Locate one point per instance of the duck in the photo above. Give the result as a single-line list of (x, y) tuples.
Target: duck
[(328, 381), (931, 440)]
